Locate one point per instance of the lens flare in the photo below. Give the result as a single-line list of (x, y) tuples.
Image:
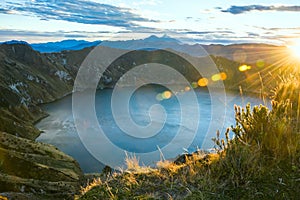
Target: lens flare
[(166, 95), (99, 60), (219, 77), (202, 82), (194, 85), (216, 77), (260, 63), (239, 56), (159, 97), (244, 68), (187, 88), (223, 76)]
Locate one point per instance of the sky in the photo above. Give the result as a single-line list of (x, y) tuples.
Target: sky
[(214, 21)]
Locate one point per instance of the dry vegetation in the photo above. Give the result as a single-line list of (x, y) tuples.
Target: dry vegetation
[(261, 161)]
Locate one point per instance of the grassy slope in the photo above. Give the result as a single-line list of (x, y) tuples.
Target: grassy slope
[(261, 162)]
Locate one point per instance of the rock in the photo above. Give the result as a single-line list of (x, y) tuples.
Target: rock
[(36, 168), (107, 170), (19, 120), (197, 156), (182, 159)]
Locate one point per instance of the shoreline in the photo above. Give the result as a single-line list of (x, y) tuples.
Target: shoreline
[(232, 92)]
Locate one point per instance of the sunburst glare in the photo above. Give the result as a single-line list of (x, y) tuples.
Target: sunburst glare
[(295, 49)]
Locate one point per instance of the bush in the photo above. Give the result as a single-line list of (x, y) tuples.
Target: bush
[(261, 161), (289, 90)]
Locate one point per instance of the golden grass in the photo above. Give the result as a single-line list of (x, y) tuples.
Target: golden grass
[(261, 161)]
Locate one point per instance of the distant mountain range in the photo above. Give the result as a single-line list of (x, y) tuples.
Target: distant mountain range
[(53, 47), (243, 53), (64, 45)]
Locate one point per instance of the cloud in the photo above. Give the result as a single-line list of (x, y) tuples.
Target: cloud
[(223, 41), (4, 11), (250, 34), (4, 33), (242, 9), (36, 36), (80, 11), (208, 32), (278, 29)]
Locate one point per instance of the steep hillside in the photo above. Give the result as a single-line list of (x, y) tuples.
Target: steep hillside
[(32, 76), (28, 78), (70, 60), (31, 167), (31, 170)]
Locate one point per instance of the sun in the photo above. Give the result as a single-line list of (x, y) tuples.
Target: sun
[(295, 49)]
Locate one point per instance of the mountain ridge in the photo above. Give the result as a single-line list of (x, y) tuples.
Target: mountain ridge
[(64, 45), (151, 42)]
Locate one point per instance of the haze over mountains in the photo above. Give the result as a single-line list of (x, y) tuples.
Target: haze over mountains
[(248, 53), (64, 45)]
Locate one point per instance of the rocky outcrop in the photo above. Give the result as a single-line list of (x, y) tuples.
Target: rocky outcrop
[(31, 167)]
